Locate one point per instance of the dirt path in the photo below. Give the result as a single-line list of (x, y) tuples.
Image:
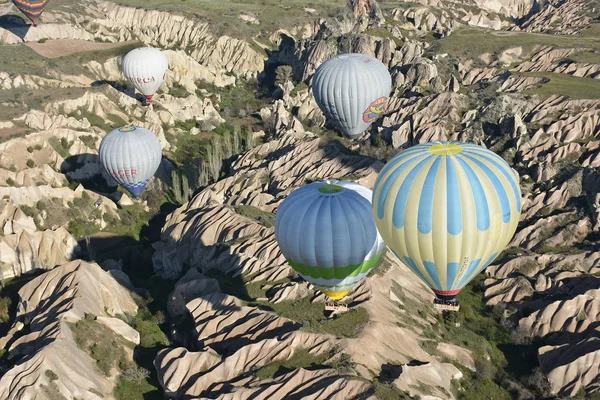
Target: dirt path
[(65, 47)]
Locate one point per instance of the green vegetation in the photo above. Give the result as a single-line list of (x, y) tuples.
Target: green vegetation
[(223, 15), (384, 33), (565, 85), (88, 140), (300, 359), (265, 218), (150, 334), (470, 42), (388, 392), (310, 315), (178, 90), (101, 343), (485, 332), (51, 375), (5, 303), (127, 390), (586, 57), (30, 163)]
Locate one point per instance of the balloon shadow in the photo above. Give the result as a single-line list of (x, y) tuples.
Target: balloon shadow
[(16, 25), (87, 170), (123, 88)]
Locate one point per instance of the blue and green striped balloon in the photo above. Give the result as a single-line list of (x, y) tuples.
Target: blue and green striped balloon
[(327, 234), (447, 210)]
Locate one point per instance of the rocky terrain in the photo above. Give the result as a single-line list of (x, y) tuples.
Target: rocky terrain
[(184, 293)]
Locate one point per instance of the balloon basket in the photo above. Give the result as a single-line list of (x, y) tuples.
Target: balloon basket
[(336, 308), (446, 305)]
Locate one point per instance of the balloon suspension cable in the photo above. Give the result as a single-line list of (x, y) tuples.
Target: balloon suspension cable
[(448, 305)]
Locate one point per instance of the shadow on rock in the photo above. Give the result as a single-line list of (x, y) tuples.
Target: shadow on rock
[(15, 25)]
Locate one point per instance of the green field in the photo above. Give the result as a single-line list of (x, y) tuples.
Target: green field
[(472, 42), (272, 14), (566, 85), (586, 57)]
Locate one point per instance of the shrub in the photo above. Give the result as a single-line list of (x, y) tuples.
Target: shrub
[(43, 40), (178, 90), (5, 303), (30, 163), (51, 375), (30, 149), (135, 374), (100, 342), (150, 334), (10, 182), (265, 218)]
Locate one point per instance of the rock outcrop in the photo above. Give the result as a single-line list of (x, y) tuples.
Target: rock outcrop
[(51, 302)]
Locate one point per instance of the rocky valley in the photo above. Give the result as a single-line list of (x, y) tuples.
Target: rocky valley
[(183, 293)]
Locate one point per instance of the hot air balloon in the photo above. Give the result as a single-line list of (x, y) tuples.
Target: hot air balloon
[(32, 9), (131, 155), (146, 68), (352, 91), (447, 209), (327, 234)]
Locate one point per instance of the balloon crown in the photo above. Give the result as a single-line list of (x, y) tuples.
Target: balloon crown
[(128, 128), (446, 149), (330, 189)]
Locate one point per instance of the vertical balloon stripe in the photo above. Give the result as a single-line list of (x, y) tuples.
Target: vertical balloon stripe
[(410, 263), (469, 273), (383, 195), (505, 169), (498, 187), (399, 214), (433, 273), (453, 203), (452, 271), (425, 216), (481, 204)]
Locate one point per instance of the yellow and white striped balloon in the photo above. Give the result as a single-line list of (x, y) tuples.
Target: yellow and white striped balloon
[(447, 210)]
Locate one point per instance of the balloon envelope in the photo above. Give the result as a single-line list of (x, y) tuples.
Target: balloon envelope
[(352, 91), (131, 155), (326, 232), (145, 68), (447, 210), (32, 9)]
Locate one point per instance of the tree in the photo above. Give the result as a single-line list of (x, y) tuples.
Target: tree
[(283, 73)]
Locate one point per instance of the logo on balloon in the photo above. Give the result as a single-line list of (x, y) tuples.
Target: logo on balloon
[(374, 110), (127, 128)]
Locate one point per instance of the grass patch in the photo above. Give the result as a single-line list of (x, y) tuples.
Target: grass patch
[(127, 390), (264, 218), (586, 57), (300, 359), (384, 33), (565, 85), (101, 343), (223, 15), (5, 304), (470, 42)]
